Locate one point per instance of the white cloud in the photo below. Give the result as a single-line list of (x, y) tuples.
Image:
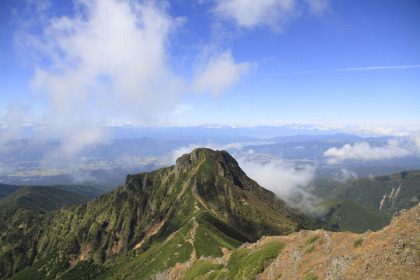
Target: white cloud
[(219, 73), (378, 130), (108, 62), (345, 175), (287, 182), (110, 57), (272, 13), (249, 13), (364, 151), (278, 176)]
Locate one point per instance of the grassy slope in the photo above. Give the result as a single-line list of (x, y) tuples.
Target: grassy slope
[(243, 264), (188, 242), (42, 198)]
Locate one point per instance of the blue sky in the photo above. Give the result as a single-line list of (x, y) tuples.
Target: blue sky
[(85, 64)]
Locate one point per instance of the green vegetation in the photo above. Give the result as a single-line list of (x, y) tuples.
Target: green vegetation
[(312, 239), (244, 264), (210, 240), (358, 243), (345, 215), (5, 190), (310, 276), (201, 267), (370, 192), (310, 249), (42, 198)]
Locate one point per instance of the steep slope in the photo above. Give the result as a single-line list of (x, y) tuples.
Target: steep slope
[(5, 190), (346, 215), (131, 222), (42, 198), (392, 253), (389, 193)]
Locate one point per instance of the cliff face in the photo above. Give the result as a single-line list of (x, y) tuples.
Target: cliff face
[(392, 253)]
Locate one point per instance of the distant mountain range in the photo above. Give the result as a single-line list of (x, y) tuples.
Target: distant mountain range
[(104, 165)]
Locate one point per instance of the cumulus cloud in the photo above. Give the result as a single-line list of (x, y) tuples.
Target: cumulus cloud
[(218, 73), (110, 57), (364, 151), (272, 13)]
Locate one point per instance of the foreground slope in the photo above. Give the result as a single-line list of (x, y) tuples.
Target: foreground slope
[(392, 253), (131, 226)]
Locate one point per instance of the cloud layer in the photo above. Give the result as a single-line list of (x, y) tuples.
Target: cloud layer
[(364, 151)]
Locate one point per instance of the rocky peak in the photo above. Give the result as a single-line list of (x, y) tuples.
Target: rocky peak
[(187, 161)]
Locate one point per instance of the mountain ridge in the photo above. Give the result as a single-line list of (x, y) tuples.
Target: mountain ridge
[(130, 222)]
